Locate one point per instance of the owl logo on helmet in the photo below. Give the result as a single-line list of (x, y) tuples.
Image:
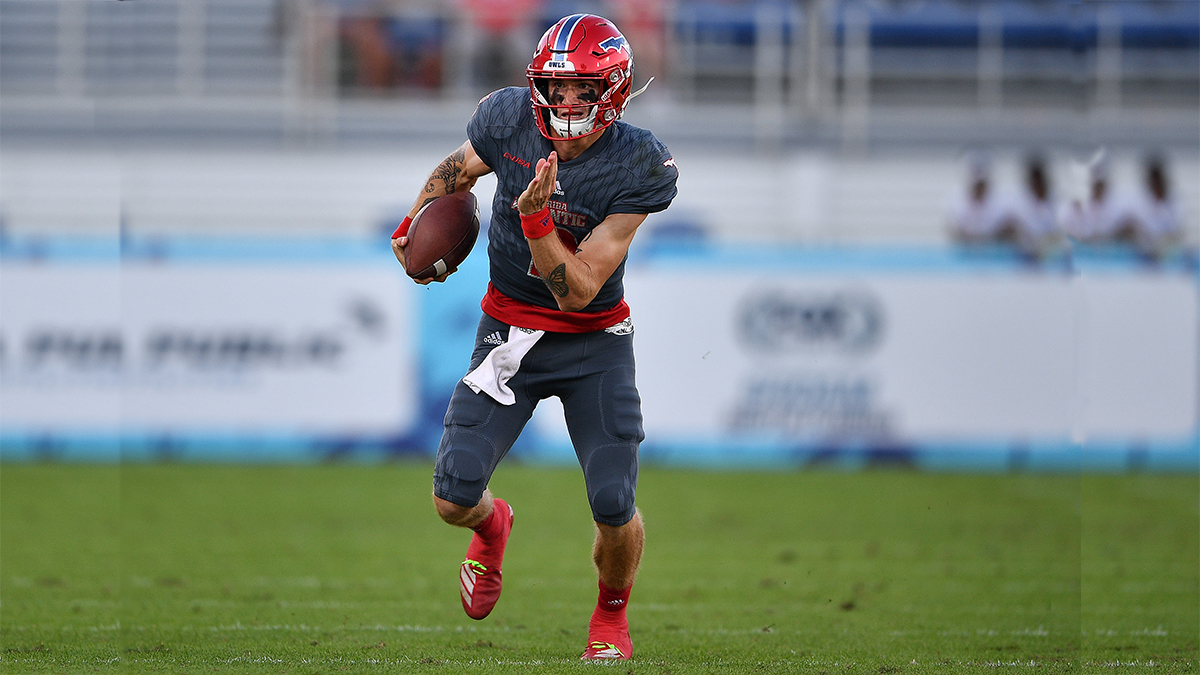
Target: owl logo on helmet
[(584, 47)]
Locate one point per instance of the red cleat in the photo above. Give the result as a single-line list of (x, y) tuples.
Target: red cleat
[(601, 651), (608, 642), (480, 577)]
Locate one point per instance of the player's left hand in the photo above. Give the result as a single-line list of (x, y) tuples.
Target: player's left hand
[(534, 198)]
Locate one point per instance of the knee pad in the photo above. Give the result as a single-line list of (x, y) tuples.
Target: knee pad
[(611, 475), (463, 467)]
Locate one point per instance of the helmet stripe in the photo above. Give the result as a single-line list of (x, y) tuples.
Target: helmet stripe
[(563, 42)]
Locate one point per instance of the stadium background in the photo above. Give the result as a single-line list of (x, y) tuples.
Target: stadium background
[(195, 199)]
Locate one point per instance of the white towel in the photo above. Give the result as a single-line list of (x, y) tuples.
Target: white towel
[(501, 364)]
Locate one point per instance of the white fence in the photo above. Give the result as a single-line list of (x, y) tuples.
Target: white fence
[(803, 197)]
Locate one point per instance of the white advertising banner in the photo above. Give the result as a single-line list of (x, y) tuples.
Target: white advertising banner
[(206, 347), (912, 357)]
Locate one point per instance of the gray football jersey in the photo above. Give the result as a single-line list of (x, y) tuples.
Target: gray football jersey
[(627, 171)]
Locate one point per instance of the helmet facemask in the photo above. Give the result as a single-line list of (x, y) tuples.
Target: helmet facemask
[(571, 120)]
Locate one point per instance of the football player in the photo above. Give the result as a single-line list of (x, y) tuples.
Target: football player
[(573, 185)]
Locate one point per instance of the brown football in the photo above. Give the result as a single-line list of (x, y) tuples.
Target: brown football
[(441, 235)]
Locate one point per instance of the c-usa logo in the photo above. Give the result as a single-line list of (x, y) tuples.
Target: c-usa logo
[(615, 43), (850, 320)]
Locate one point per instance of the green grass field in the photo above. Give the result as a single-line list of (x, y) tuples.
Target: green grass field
[(332, 569)]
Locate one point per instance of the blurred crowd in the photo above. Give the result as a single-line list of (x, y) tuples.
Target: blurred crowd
[(432, 45), (388, 44), (1043, 226)]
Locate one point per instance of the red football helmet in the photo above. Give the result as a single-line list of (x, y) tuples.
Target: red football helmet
[(584, 47)]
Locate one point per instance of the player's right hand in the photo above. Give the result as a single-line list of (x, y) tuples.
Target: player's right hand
[(398, 245)]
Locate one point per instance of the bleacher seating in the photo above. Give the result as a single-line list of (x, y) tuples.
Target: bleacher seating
[(237, 47), (160, 48), (177, 74), (29, 53), (920, 52)]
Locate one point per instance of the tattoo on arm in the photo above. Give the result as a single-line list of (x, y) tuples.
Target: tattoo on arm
[(557, 281), (446, 172)]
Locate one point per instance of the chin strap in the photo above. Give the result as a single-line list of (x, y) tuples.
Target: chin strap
[(639, 91), (562, 126), (565, 127)]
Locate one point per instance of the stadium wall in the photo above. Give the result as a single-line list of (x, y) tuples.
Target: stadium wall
[(298, 351)]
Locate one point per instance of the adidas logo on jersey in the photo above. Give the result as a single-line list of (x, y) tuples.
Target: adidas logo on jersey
[(494, 339)]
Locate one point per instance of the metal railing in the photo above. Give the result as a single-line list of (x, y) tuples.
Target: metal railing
[(788, 62)]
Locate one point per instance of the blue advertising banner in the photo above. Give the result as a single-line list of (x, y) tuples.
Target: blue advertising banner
[(235, 350)]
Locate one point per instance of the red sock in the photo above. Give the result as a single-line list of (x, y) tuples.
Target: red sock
[(610, 606), (609, 628), (491, 527)]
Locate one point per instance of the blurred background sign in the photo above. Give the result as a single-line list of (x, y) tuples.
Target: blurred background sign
[(947, 231), (218, 351), (795, 362)]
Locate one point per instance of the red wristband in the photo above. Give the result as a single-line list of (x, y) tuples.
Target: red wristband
[(538, 225), (402, 230)]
